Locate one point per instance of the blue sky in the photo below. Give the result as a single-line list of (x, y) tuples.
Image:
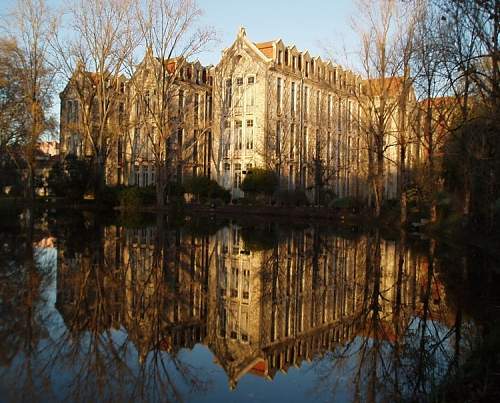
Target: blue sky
[(305, 24)]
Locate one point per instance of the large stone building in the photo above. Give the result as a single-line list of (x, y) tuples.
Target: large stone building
[(265, 105), (283, 109)]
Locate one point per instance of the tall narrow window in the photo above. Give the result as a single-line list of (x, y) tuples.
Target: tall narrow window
[(329, 109), (239, 135), (181, 102), (278, 139), (196, 108), (250, 91), (318, 105), (306, 100), (227, 139), (228, 93), (292, 99), (238, 102), (279, 94), (249, 135)]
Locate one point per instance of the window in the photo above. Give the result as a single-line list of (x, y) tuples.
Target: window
[(294, 62), (329, 112), (280, 56), (228, 94), (250, 91), (239, 81), (227, 167), (292, 141), (196, 108), (292, 99), (278, 138), (286, 57), (307, 69), (237, 176), (249, 135), (306, 100), (239, 135), (339, 116), (181, 102), (318, 105), (227, 139), (279, 95), (246, 284), (234, 282)]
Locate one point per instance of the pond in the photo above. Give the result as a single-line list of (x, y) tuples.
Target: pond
[(204, 310)]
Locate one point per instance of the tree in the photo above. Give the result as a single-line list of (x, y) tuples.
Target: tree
[(70, 178), (170, 33), (31, 28), (470, 47), (94, 60), (260, 181), (385, 32)]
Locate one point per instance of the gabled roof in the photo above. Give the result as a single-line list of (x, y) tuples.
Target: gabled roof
[(377, 86), (266, 48)]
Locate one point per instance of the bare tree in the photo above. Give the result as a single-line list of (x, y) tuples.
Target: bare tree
[(29, 29), (170, 32), (93, 60), (385, 32)]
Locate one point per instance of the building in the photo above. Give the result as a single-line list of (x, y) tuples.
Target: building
[(170, 108), (265, 105), (282, 109), (88, 122)]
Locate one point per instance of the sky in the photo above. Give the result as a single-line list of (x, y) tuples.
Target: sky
[(309, 24)]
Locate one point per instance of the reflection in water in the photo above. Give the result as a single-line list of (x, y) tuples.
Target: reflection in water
[(128, 314)]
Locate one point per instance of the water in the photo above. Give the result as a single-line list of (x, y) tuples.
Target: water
[(97, 309)]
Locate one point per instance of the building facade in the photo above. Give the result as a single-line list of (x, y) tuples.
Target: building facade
[(265, 105)]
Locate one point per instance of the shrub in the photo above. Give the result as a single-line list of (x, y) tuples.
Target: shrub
[(69, 178), (291, 198), (260, 181), (344, 203), (133, 198), (206, 189)]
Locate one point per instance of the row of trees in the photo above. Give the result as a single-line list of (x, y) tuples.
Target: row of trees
[(442, 115), (41, 47)]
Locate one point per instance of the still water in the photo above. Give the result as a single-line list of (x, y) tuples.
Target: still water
[(108, 310)]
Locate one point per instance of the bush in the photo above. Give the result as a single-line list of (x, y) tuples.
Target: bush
[(344, 203), (206, 189), (291, 198), (69, 178), (260, 181), (133, 198)]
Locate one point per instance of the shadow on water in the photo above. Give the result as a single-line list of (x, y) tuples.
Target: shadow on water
[(156, 308)]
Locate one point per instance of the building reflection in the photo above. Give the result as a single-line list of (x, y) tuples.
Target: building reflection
[(260, 308)]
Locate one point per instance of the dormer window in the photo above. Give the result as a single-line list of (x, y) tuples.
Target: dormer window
[(286, 57), (294, 62), (280, 56)]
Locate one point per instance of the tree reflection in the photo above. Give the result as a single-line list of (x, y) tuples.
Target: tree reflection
[(129, 303)]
